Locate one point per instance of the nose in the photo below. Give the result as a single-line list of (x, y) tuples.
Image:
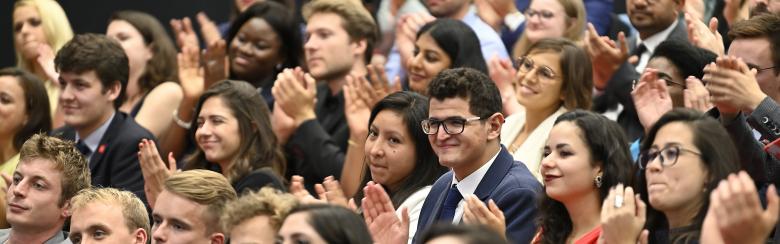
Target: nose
[(311, 43), (203, 130), (159, 234), (654, 165), (548, 163), (375, 149), (245, 48), (19, 190), (415, 61), (441, 134), (66, 93)]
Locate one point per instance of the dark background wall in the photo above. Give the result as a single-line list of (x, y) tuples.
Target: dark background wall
[(91, 16)]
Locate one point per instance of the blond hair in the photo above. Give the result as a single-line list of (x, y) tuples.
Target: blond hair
[(356, 20), (265, 202), (575, 21), (133, 210), (204, 187), (55, 25), (66, 159)]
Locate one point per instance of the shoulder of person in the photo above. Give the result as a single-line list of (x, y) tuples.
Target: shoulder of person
[(166, 90)]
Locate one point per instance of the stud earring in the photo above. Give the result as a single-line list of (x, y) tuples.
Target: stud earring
[(598, 181)]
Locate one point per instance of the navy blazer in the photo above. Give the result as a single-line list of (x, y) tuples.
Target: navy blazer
[(115, 162), (508, 183)]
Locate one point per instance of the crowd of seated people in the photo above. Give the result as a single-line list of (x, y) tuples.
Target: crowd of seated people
[(396, 121)]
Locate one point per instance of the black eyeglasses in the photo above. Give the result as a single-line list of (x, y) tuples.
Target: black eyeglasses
[(759, 69), (452, 126), (530, 13), (668, 156), (525, 64)]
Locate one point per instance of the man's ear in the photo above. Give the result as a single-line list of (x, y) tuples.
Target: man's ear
[(360, 47), (217, 238), (140, 236), (66, 211), (114, 90), (494, 123)]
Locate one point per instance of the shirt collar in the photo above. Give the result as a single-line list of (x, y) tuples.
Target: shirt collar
[(93, 140), (653, 41), (469, 184)]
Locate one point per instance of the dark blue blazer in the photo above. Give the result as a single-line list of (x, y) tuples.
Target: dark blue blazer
[(115, 162), (508, 183)]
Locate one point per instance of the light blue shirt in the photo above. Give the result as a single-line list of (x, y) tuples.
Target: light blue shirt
[(93, 140), (489, 41)]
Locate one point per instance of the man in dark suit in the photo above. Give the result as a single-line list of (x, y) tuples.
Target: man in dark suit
[(463, 127), (655, 22), (93, 71)]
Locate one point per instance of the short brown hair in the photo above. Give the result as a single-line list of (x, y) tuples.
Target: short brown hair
[(133, 210), (96, 52), (356, 20), (762, 26), (66, 159), (266, 202), (204, 187)]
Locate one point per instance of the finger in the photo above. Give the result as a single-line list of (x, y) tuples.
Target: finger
[(644, 236), (7, 179), (713, 25), (496, 210), (606, 205), (773, 204), (641, 209), (405, 219), (320, 190), (172, 162), (623, 43), (628, 195)]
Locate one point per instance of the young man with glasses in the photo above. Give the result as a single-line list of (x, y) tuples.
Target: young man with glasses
[(463, 128)]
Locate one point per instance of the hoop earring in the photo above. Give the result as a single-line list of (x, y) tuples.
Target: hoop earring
[(598, 181)]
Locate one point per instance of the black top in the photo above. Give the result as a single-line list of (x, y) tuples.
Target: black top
[(316, 149)]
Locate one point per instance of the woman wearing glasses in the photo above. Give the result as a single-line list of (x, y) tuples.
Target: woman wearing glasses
[(684, 157), (554, 76), (552, 19)]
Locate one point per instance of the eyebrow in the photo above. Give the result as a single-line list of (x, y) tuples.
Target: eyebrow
[(98, 226)]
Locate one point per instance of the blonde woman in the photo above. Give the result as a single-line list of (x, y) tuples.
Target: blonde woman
[(40, 29), (552, 19)]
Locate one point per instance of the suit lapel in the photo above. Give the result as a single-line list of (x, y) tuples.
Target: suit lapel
[(105, 141), (442, 187), (494, 175)]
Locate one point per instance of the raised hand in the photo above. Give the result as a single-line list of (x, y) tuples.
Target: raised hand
[(735, 214), (379, 214), (651, 98), (379, 85), (696, 95), (295, 92), (605, 54), (703, 36), (153, 169), (491, 216), (623, 217), (190, 72), (185, 35), (356, 108), (208, 29), (46, 60), (215, 62), (299, 191), (406, 33), (502, 72), (732, 85)]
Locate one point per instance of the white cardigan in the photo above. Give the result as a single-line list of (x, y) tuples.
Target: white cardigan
[(414, 204), (530, 152)]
